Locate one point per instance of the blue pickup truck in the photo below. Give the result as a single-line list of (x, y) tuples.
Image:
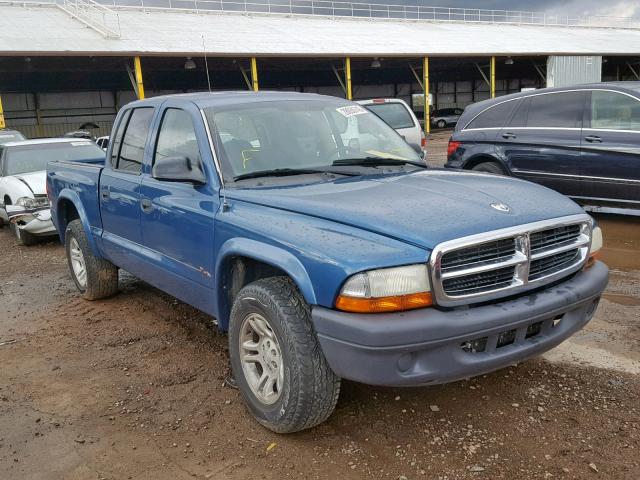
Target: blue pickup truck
[(322, 244)]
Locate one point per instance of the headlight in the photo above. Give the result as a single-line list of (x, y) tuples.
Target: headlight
[(386, 290), (37, 202), (596, 246)]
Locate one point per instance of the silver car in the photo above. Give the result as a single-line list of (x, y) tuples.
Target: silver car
[(445, 117), (397, 114)]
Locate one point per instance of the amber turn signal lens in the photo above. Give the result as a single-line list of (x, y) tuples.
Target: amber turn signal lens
[(592, 259), (384, 304)]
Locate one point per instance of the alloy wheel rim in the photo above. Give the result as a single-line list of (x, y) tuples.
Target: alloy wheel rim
[(261, 358), (77, 263)]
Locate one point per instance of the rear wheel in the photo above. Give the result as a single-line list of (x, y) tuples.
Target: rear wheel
[(489, 167), (441, 124), (95, 277), (276, 358), (22, 237)]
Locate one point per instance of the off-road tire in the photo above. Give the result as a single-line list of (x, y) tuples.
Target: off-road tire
[(22, 238), (489, 167), (310, 389), (102, 275)]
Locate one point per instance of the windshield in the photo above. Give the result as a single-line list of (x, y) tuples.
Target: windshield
[(394, 113), (301, 135), (34, 158), (10, 136)]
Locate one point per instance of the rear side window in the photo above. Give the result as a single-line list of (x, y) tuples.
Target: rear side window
[(493, 117), (177, 137), (133, 140), (614, 111), (556, 110), (394, 114), (117, 140)]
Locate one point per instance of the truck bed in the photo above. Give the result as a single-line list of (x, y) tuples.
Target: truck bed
[(75, 181)]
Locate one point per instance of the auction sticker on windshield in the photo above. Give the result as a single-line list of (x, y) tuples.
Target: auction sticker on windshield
[(351, 110)]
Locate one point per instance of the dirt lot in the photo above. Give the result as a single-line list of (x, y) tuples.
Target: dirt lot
[(132, 388)]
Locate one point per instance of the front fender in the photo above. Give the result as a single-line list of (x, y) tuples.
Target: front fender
[(268, 254), (68, 195)]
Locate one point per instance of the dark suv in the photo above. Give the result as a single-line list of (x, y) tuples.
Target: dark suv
[(583, 141)]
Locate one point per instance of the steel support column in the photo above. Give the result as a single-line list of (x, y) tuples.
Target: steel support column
[(139, 84), (425, 90), (493, 77), (254, 74), (2, 122), (347, 77)]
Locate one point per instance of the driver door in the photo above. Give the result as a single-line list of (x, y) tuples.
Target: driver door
[(177, 218)]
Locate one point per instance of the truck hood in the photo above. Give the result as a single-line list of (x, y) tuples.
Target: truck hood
[(35, 181), (423, 208)]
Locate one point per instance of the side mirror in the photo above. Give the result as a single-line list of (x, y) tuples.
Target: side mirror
[(178, 169)]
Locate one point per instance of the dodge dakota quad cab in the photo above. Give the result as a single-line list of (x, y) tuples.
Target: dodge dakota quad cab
[(319, 241)]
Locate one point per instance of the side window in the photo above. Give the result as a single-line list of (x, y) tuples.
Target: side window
[(134, 139), (614, 111), (177, 137), (117, 141), (556, 110), (493, 117)]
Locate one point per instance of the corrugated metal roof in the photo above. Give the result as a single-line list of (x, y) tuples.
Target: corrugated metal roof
[(36, 30)]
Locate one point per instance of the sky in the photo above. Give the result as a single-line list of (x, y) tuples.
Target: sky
[(615, 8)]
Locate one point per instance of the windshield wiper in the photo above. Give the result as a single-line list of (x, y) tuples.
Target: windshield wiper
[(376, 161), (283, 172)]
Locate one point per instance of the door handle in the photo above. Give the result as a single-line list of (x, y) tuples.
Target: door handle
[(146, 205), (508, 135), (105, 194), (593, 139)]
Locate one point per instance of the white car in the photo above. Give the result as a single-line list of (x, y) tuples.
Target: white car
[(397, 114), (103, 142), (23, 197)]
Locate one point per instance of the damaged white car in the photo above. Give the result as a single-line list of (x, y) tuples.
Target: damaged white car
[(23, 198)]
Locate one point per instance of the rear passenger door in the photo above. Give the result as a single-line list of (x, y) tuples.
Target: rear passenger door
[(120, 185), (610, 161), (541, 143)]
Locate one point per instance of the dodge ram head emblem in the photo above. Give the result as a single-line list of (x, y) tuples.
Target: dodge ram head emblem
[(500, 207)]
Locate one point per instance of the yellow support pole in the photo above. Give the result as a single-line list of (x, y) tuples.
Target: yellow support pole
[(254, 74), (138, 69), (347, 73), (493, 77), (2, 122), (427, 103)]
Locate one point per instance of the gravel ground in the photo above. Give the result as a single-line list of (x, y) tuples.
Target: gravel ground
[(132, 388)]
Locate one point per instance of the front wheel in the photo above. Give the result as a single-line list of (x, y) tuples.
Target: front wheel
[(441, 124), (22, 237), (95, 277), (276, 359)]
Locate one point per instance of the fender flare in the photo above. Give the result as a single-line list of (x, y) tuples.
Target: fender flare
[(264, 252), (72, 196)]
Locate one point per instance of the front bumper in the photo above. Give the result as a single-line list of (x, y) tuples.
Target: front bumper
[(425, 346), (37, 222)]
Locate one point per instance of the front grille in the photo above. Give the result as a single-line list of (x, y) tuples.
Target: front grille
[(501, 263)]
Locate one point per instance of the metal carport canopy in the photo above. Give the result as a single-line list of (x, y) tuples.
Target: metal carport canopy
[(47, 30)]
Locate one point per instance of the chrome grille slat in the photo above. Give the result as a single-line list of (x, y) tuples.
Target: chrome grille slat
[(516, 258), (492, 265), (581, 241), (540, 240), (503, 248)]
